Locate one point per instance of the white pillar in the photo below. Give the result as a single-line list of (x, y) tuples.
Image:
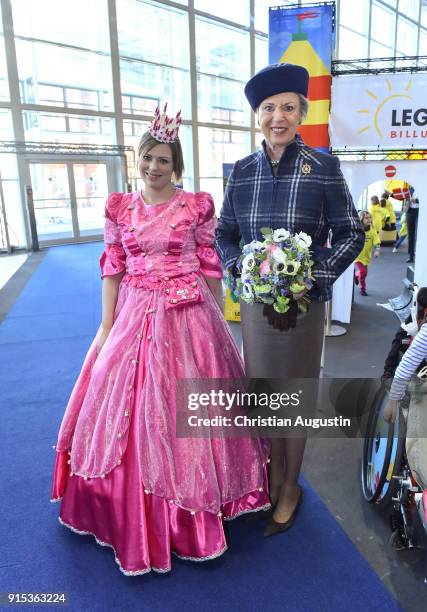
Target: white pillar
[(421, 246)]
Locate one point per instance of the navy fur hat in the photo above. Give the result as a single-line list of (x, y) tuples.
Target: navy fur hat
[(274, 79)]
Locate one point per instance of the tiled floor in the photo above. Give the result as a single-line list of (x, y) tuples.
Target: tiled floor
[(9, 264)]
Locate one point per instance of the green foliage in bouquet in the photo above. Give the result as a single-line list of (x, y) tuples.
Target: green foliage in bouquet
[(275, 270)]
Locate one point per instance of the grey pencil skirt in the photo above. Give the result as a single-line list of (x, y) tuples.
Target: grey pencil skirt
[(270, 353)]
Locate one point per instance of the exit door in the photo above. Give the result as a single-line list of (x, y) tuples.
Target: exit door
[(69, 199)]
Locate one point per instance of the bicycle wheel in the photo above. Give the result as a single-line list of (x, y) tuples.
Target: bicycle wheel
[(382, 453)]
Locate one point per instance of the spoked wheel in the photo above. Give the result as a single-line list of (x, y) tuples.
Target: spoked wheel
[(382, 453)]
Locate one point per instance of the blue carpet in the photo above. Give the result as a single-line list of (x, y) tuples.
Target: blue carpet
[(43, 341)]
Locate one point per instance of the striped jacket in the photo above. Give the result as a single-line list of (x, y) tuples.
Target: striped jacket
[(409, 363), (308, 194)]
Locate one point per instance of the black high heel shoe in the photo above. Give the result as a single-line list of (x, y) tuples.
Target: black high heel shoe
[(273, 527)]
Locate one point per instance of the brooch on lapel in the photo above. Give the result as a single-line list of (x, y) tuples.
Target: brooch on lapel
[(306, 169)]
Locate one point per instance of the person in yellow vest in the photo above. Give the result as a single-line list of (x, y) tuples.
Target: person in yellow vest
[(390, 210), (372, 243), (386, 214), (378, 214), (403, 232)]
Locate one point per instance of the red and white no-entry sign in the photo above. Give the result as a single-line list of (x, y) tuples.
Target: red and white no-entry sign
[(390, 171)]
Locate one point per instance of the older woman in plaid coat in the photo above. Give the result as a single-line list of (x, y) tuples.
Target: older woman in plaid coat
[(287, 184)]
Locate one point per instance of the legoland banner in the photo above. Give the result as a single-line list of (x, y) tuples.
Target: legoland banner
[(305, 36), (382, 110)]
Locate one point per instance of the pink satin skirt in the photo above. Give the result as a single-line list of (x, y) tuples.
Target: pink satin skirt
[(143, 529), (160, 493)]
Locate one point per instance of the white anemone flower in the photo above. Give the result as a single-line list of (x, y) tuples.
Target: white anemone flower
[(249, 248), (248, 263), (247, 292), (292, 267), (303, 240), (280, 235), (278, 256), (259, 247), (279, 267)]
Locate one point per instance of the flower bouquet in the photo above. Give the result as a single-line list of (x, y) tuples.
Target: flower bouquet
[(274, 270)]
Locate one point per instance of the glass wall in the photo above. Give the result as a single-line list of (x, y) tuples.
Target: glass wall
[(62, 59), (151, 71), (10, 185), (52, 75), (79, 23), (237, 10), (381, 28), (261, 13), (223, 67), (218, 147), (58, 127), (4, 86), (92, 72)]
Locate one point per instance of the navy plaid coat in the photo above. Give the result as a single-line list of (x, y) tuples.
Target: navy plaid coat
[(308, 194)]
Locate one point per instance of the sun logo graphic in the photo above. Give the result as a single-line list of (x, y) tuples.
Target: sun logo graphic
[(393, 116)]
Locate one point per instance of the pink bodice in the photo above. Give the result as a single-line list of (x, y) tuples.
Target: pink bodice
[(157, 242)]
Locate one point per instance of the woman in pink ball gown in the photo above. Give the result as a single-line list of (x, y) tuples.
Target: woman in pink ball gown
[(120, 470)]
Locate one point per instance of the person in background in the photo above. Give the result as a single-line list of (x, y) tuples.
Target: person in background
[(377, 213), (390, 210), (411, 209), (386, 215), (411, 362), (400, 345), (403, 232), (401, 340), (372, 244)]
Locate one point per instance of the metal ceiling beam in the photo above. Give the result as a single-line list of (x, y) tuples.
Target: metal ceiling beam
[(376, 65)]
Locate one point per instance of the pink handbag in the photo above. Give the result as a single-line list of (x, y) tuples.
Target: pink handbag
[(182, 292)]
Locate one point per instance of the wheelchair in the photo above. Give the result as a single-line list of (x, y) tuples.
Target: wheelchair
[(388, 482)]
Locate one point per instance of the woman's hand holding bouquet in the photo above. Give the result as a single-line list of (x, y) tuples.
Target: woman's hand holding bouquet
[(277, 273)]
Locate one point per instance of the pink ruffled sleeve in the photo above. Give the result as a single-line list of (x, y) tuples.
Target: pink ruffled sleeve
[(210, 263), (113, 259)]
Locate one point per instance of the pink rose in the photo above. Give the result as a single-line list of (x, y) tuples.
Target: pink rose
[(264, 268)]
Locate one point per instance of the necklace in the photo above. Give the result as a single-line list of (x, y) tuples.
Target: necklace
[(274, 162)]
